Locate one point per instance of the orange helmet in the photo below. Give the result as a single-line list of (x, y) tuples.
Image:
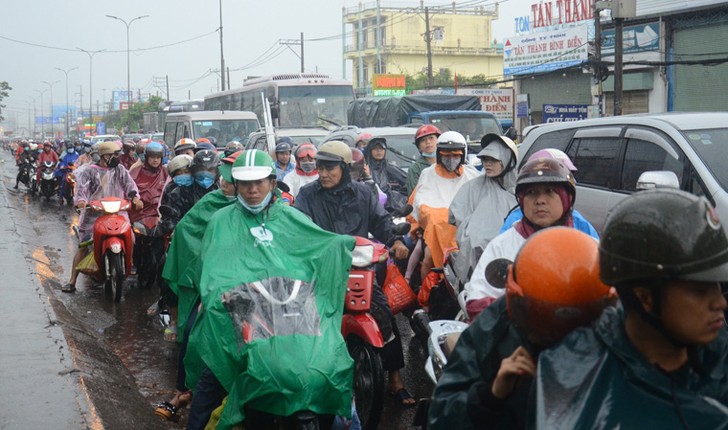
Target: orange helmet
[(553, 286)]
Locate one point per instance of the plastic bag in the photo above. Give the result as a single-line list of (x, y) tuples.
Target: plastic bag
[(87, 265), (399, 294), (430, 282)]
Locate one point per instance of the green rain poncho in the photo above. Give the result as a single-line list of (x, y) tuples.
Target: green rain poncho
[(273, 288), (185, 249)]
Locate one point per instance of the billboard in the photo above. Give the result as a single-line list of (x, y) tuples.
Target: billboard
[(564, 113), (545, 51), (119, 96), (498, 101), (388, 85)]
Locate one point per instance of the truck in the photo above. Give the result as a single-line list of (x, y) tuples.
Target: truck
[(151, 121), (448, 112)]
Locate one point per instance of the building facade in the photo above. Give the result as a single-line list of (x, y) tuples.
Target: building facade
[(386, 39), (675, 58)]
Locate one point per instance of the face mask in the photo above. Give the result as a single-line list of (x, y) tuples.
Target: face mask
[(183, 180), (231, 198), (113, 162), (451, 164), (205, 179), (308, 166), (255, 209), (71, 150), (429, 154)]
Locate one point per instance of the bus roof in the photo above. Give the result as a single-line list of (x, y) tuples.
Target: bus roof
[(212, 115), (285, 79)]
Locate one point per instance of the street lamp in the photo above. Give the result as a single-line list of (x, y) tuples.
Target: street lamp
[(128, 69), (31, 124), (65, 72), (50, 85), (90, 80), (42, 123)]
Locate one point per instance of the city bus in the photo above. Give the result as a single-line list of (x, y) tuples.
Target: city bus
[(297, 99)]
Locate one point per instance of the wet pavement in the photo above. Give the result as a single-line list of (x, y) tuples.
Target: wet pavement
[(81, 360)]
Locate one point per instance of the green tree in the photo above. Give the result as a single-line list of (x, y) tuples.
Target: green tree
[(133, 118), (445, 78), (4, 92)]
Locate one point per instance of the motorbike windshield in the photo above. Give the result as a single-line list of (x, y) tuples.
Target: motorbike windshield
[(272, 307)]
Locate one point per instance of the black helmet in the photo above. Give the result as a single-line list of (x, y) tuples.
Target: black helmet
[(205, 159), (663, 234), (233, 147), (546, 170)]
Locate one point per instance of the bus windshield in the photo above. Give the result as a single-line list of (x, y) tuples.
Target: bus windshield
[(320, 105), (225, 131)]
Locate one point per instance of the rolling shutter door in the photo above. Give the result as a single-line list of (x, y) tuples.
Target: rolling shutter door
[(697, 87)]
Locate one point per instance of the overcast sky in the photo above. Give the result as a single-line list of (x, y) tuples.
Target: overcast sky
[(47, 33)]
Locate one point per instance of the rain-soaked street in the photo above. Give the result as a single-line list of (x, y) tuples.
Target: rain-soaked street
[(122, 363)]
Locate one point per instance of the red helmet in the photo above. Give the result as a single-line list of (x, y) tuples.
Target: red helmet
[(554, 286), (426, 130), (304, 150)]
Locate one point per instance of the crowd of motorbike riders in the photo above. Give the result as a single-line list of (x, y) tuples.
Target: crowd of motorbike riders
[(251, 252)]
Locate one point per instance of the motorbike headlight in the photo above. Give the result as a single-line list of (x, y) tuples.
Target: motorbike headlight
[(111, 207), (362, 256)]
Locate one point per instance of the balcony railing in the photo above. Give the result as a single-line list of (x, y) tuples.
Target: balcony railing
[(454, 8), (420, 49)]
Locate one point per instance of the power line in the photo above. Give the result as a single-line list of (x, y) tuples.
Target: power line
[(38, 45)]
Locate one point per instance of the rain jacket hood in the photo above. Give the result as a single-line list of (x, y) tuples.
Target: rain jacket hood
[(273, 288), (151, 184), (595, 376), (478, 211), (390, 179)]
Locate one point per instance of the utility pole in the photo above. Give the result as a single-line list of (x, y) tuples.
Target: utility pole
[(222, 57), (288, 43), (618, 72), (598, 60), (428, 41)]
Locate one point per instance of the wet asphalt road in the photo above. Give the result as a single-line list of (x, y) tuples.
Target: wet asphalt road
[(124, 364)]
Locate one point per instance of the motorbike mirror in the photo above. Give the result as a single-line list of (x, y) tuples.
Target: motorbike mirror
[(496, 273), (406, 210), (168, 211), (132, 194), (402, 228)]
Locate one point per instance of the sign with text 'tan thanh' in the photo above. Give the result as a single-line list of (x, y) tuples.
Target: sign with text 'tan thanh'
[(545, 51), (388, 85)]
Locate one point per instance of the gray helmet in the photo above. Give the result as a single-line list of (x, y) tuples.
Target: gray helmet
[(663, 234), (182, 161)]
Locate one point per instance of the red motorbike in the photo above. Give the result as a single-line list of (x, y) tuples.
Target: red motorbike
[(362, 334), (361, 331), (112, 244)]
